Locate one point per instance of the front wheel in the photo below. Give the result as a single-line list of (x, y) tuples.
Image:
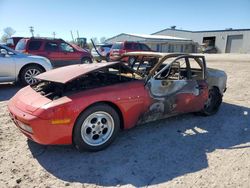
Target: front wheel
[(213, 103), (86, 60), (96, 128)]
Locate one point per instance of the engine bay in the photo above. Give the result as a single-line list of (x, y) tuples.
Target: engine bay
[(54, 90)]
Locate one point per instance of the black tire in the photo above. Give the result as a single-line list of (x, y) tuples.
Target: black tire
[(30, 68), (213, 106), (86, 60), (84, 134)]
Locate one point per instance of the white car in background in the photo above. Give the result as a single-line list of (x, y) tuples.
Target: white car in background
[(15, 66)]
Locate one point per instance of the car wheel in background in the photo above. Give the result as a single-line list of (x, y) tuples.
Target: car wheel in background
[(28, 74), (96, 128), (213, 103), (86, 60)]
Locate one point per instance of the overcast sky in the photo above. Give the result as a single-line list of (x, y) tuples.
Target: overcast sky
[(106, 18)]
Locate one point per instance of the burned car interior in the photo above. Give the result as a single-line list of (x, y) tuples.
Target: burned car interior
[(171, 66), (167, 67), (111, 75), (182, 68)]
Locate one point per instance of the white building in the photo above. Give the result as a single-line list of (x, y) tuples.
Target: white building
[(226, 41)]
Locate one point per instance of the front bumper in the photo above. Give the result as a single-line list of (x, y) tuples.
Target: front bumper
[(39, 130)]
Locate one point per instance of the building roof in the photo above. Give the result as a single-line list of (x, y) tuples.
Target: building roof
[(205, 31), (152, 37)]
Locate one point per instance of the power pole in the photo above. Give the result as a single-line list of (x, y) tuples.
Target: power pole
[(32, 30), (54, 34)]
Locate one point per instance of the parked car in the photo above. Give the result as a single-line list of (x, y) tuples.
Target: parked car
[(16, 66), (120, 48), (89, 104), (59, 52), (103, 49), (204, 48), (12, 42)]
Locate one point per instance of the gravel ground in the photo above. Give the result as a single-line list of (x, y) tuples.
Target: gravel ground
[(184, 151)]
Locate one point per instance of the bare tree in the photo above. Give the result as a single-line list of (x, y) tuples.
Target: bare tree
[(4, 38), (9, 31)]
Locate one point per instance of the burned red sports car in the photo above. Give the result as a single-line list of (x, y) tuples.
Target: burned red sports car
[(89, 104)]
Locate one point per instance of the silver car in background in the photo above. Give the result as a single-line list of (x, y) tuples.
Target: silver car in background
[(15, 66)]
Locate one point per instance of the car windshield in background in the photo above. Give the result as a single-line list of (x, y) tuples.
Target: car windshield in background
[(117, 46), (21, 45)]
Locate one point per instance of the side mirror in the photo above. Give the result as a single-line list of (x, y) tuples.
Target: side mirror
[(3, 52)]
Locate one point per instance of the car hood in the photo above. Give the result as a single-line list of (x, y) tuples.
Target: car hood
[(68, 73)]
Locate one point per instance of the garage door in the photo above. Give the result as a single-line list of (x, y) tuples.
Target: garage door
[(234, 43)]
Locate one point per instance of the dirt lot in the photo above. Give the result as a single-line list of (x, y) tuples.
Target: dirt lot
[(184, 151)]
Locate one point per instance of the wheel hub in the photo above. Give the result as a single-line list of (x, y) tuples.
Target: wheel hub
[(30, 76), (97, 128)]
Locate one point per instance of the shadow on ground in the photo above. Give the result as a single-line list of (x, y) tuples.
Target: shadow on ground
[(8, 90), (153, 153)]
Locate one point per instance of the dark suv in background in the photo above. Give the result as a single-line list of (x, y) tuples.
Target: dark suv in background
[(59, 52), (120, 48)]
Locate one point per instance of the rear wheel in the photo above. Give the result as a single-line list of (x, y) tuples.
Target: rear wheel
[(86, 60), (96, 128), (213, 103), (28, 74)]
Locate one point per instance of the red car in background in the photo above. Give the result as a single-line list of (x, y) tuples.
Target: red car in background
[(59, 52), (120, 48)]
